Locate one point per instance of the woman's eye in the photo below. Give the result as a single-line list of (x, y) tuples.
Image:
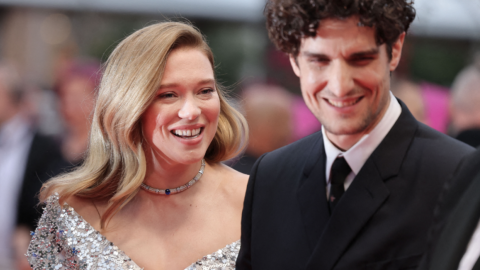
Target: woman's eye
[(207, 91), (166, 95)]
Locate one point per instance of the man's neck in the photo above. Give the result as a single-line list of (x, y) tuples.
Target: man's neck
[(344, 142)]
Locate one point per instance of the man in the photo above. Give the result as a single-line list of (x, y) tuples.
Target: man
[(26, 159), (454, 241), (465, 104), (359, 194)]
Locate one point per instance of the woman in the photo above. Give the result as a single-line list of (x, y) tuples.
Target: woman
[(151, 193)]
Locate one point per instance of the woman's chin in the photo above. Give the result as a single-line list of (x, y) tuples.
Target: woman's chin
[(189, 158)]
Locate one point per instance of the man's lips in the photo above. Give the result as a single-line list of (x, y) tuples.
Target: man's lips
[(343, 103)]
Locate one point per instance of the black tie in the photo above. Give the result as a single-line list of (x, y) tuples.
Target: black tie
[(338, 173)]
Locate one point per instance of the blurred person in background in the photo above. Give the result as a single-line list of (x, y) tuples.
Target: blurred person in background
[(27, 159), (76, 89), (465, 104), (268, 110), (411, 94)]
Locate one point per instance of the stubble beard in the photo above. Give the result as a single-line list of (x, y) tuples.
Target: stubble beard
[(366, 121), (348, 128)]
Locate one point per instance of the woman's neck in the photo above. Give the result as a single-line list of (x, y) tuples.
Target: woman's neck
[(163, 173)]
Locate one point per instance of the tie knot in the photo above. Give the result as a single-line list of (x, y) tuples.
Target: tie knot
[(340, 170)]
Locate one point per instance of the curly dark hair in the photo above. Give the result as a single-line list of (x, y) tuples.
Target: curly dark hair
[(288, 21)]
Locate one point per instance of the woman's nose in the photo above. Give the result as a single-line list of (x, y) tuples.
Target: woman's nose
[(189, 110)]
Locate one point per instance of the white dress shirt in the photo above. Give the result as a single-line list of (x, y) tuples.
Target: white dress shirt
[(473, 251), (15, 142), (358, 154)]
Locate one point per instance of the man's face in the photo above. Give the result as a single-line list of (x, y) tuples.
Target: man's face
[(345, 78)]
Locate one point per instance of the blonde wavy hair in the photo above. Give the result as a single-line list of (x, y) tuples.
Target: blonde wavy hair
[(115, 165)]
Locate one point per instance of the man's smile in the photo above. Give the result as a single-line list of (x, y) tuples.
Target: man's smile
[(343, 103)]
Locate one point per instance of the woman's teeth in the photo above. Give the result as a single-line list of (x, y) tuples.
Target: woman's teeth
[(187, 132)]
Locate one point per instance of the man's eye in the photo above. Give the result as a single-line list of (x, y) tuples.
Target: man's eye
[(362, 60), (319, 60)]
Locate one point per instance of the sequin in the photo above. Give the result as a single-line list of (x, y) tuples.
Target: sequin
[(64, 240)]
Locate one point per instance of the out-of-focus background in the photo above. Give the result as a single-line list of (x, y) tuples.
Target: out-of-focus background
[(51, 52)]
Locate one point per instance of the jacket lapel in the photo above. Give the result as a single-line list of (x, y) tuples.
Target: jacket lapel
[(365, 195), (456, 235), (311, 193), (358, 204)]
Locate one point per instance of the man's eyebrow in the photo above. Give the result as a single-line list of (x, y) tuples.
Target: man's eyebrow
[(316, 55), (174, 85), (373, 51)]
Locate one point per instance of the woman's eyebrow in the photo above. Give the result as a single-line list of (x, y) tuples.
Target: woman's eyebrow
[(173, 85)]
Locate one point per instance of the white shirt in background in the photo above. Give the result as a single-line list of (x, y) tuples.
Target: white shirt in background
[(15, 142)]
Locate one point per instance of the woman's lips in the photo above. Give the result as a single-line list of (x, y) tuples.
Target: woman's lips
[(187, 133)]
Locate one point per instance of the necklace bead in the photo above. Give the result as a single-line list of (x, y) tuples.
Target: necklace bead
[(179, 189)]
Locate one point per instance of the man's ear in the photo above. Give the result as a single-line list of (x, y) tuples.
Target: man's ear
[(293, 62), (397, 52)]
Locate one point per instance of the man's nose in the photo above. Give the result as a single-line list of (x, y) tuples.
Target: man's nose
[(190, 109), (340, 81)]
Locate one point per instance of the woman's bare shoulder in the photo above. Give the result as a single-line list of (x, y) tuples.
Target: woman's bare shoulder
[(232, 174), (87, 208), (234, 182)]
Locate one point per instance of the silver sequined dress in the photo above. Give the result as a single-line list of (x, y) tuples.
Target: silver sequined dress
[(64, 240)]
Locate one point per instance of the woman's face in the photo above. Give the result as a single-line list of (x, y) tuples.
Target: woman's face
[(182, 120)]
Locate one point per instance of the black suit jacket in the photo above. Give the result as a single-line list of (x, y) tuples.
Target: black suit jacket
[(43, 162), (381, 221), (456, 218), (470, 137), (244, 164)]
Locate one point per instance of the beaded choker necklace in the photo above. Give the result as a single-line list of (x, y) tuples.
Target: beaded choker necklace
[(179, 189)]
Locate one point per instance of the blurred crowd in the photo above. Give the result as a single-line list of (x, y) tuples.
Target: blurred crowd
[(276, 117), (28, 157), (454, 111)]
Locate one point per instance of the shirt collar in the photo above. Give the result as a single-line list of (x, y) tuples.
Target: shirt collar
[(358, 154)]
